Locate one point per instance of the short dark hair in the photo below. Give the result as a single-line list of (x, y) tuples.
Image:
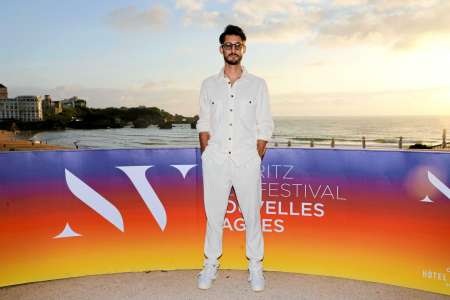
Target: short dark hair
[(232, 30)]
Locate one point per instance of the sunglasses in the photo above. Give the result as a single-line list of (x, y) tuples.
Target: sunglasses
[(229, 46)]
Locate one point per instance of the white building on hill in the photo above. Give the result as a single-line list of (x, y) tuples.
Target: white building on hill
[(22, 108)]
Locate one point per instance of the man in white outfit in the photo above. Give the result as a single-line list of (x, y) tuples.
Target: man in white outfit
[(235, 123)]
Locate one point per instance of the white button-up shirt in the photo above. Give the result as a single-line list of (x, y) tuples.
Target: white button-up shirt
[(236, 116)]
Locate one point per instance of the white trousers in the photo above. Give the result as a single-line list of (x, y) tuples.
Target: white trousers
[(217, 182)]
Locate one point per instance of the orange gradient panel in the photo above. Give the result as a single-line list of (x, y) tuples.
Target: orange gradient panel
[(363, 215)]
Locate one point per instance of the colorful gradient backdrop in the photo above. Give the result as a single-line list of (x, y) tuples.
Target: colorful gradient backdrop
[(362, 217)]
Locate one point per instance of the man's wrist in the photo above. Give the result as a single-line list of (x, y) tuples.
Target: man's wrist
[(261, 152), (261, 147)]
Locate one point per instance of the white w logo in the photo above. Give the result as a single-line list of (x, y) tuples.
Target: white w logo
[(439, 185), (107, 210)]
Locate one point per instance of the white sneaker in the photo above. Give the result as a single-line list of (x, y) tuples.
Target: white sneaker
[(207, 275), (256, 276)]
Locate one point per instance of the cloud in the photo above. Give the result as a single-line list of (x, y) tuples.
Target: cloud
[(256, 12), (190, 5), (153, 86), (194, 13), (130, 18), (350, 2), (275, 21), (400, 25), (397, 24), (203, 18), (391, 4)]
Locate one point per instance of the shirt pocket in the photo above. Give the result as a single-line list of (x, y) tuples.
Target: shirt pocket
[(215, 111), (213, 106), (247, 112)]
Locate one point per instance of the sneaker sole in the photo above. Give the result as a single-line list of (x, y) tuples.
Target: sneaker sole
[(205, 286), (257, 289)]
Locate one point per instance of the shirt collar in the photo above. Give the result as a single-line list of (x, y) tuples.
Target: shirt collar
[(221, 75)]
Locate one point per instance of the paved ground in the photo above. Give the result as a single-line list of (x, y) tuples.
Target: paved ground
[(229, 285)]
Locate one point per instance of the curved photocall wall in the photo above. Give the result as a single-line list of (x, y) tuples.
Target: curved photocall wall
[(381, 216)]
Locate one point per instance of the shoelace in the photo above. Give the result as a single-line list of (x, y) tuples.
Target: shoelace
[(256, 273), (208, 270)]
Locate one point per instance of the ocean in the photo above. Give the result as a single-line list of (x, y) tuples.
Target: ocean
[(379, 132)]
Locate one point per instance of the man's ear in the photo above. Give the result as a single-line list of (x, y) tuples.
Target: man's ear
[(221, 49), (244, 48)]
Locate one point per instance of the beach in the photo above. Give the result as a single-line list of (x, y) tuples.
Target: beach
[(10, 142)]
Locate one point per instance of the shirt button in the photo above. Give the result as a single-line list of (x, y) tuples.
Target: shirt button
[(229, 139), (231, 95), (231, 124), (231, 109), (229, 152)]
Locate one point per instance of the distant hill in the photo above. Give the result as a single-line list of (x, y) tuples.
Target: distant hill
[(100, 118)]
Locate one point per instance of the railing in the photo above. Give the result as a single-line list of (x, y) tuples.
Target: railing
[(333, 144)]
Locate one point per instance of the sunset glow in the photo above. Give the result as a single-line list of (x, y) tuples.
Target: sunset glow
[(319, 57)]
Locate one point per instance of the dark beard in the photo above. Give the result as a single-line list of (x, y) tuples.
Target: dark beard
[(232, 62)]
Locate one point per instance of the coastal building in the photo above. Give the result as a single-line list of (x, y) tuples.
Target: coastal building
[(23, 108), (33, 108), (73, 102), (57, 107), (3, 92), (47, 108)]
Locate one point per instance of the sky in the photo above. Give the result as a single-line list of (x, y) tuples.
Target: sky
[(318, 57)]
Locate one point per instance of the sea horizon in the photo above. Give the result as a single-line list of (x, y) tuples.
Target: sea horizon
[(380, 132)]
